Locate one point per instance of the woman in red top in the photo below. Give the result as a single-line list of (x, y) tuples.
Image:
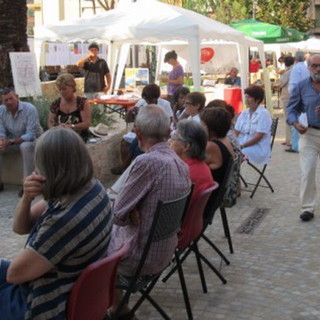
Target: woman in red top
[(189, 142)]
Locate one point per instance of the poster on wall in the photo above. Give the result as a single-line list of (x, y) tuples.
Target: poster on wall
[(25, 74), (136, 77)]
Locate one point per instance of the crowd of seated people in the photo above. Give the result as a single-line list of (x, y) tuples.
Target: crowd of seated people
[(197, 151)]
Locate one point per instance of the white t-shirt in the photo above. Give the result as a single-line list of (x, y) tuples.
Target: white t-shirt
[(164, 104), (260, 121)]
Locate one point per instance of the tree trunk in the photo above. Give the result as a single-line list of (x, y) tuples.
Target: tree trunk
[(13, 35)]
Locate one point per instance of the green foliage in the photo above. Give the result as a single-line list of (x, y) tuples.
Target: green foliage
[(100, 116), (286, 13), (43, 106), (228, 11)]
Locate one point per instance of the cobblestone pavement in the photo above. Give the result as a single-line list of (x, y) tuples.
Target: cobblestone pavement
[(274, 273)]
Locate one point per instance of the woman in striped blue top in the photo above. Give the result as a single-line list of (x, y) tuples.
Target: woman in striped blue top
[(68, 230)]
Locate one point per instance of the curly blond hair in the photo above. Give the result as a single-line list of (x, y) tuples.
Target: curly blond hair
[(66, 79)]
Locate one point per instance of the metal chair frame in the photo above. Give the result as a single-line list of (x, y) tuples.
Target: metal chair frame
[(261, 171)]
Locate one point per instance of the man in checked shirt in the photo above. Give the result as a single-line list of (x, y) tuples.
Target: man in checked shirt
[(158, 174), (19, 127)]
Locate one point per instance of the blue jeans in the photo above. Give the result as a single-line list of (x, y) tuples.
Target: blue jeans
[(13, 298), (294, 139)]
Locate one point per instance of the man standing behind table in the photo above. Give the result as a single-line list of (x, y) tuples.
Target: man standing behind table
[(232, 77), (19, 127), (158, 174), (306, 98), (97, 74)]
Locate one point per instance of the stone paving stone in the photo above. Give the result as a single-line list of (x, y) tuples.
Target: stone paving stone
[(274, 272)]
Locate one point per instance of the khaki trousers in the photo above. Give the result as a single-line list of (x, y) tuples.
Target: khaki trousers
[(309, 151), (27, 150)]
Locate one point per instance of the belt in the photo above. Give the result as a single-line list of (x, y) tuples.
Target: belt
[(314, 127)]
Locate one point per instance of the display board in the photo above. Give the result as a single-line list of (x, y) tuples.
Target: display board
[(136, 77), (25, 74), (63, 53)]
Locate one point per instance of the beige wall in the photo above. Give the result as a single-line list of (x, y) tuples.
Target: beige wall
[(49, 89)]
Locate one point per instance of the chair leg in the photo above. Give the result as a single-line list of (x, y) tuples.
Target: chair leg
[(261, 176), (173, 270), (145, 295), (244, 181), (226, 228), (184, 288), (201, 273), (213, 268), (219, 252)]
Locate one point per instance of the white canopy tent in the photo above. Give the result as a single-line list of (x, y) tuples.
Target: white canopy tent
[(151, 22), (310, 45)]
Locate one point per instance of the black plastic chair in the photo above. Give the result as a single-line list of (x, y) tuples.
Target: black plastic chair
[(167, 221), (261, 172), (216, 202)]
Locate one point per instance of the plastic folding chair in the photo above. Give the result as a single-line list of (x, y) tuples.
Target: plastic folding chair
[(190, 231), (167, 221), (93, 292), (261, 172), (214, 202)]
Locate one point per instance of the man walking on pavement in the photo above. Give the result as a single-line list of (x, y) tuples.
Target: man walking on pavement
[(305, 97), (298, 73)]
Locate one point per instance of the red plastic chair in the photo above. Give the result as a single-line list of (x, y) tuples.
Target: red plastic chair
[(93, 292), (189, 234)]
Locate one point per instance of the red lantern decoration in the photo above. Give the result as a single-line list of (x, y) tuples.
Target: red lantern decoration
[(206, 54)]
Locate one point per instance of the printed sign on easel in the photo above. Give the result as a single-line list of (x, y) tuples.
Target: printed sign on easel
[(25, 74)]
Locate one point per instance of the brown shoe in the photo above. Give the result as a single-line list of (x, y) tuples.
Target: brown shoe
[(1, 186)]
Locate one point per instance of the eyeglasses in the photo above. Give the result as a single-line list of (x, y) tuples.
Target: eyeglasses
[(315, 66)]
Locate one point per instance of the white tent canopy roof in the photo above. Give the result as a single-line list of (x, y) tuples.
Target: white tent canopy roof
[(145, 20), (154, 22)]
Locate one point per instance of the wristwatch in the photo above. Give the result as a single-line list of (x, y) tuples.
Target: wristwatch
[(73, 126), (12, 142)]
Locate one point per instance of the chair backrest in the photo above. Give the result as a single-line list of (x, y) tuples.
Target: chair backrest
[(93, 292), (216, 198), (167, 221), (274, 127), (193, 221)]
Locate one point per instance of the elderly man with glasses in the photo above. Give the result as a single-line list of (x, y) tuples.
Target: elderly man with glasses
[(19, 127), (305, 97)]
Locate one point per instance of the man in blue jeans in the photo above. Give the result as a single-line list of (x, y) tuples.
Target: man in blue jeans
[(298, 73)]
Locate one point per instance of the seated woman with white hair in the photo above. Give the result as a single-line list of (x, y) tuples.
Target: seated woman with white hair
[(189, 142)]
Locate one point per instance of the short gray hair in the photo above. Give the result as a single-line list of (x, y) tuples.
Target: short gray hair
[(193, 133), (63, 159), (299, 56), (152, 122)]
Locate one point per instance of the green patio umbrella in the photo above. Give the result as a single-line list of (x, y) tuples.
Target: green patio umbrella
[(268, 33)]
